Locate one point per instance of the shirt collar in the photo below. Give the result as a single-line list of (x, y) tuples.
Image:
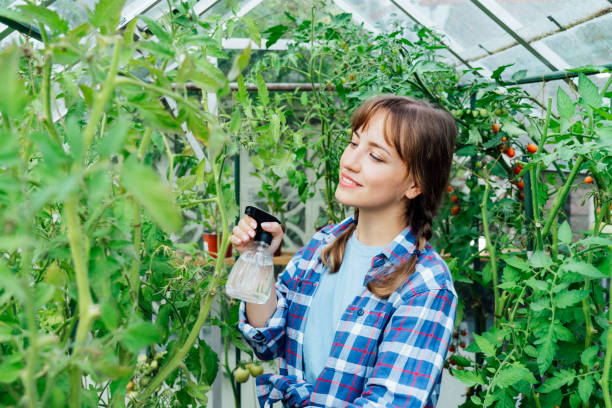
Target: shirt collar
[(396, 252)]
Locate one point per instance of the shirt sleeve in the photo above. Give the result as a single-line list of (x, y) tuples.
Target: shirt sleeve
[(268, 342), (412, 352)]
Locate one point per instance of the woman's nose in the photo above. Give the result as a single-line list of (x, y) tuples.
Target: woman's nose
[(350, 159)]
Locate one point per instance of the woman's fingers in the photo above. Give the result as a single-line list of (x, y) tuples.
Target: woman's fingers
[(273, 227)]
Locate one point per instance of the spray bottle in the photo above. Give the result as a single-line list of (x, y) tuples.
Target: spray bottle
[(252, 276)]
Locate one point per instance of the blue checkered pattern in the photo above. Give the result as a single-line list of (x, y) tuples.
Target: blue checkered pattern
[(385, 352)]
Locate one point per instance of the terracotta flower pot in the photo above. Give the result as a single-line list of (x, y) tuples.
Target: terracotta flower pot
[(211, 241)]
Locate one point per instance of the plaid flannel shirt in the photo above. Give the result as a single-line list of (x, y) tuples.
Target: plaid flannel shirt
[(385, 353)]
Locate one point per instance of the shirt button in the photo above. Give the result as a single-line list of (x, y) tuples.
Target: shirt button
[(360, 312), (299, 284)]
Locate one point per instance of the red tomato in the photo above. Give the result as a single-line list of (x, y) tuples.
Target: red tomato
[(518, 168), (510, 152), (531, 148)]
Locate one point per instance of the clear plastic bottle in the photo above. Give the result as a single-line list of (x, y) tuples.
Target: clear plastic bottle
[(252, 276)]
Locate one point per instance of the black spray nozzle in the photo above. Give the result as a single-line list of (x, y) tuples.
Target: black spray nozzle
[(261, 216)]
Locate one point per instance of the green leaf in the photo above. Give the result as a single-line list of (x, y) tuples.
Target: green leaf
[(517, 263), (109, 315), (211, 76), (262, 90), (563, 333), (10, 283), (254, 33), (468, 377), (149, 191), (511, 127), (157, 30), (560, 379), (536, 284), (13, 96), (511, 375), (10, 369), (106, 15), (45, 16), (546, 352), (114, 137), (589, 92), (484, 345), (569, 298), (241, 95), (585, 388), (474, 136), (275, 33), (518, 75), (211, 362), (540, 304), (498, 71), (74, 138), (140, 335), (275, 126), (565, 106), (588, 355), (583, 268), (565, 233), (239, 64), (595, 241), (540, 259)]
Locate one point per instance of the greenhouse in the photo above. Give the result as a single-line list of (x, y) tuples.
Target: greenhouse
[(326, 203)]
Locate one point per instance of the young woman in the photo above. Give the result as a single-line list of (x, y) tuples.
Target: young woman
[(363, 314)]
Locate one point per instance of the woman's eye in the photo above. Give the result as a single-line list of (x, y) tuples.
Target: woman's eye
[(353, 144), (376, 158)]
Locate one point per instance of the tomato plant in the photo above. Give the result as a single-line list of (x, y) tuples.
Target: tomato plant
[(100, 302)]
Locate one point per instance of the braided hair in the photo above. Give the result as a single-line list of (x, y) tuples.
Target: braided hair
[(424, 138)]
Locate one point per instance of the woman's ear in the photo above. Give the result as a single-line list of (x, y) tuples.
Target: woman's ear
[(413, 191)]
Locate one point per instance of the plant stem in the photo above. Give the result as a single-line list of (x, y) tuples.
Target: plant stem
[(491, 249), (32, 353), (46, 99), (205, 302), (605, 378), (561, 195), (103, 97), (162, 91), (79, 250)]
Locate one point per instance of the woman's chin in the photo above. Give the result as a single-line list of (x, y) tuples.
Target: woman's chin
[(343, 198)]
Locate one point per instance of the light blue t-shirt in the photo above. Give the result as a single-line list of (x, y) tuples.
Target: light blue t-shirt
[(335, 292)]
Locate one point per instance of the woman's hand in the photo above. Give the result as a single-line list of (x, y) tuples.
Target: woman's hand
[(243, 233)]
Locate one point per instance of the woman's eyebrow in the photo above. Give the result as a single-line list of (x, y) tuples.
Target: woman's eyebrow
[(373, 143)]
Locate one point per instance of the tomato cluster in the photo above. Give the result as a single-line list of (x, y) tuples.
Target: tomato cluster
[(243, 371)]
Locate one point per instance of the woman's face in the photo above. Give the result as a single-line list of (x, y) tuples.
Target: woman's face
[(376, 174)]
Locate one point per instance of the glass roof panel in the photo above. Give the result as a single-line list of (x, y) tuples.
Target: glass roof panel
[(520, 57), (587, 43), (461, 21), (532, 19)]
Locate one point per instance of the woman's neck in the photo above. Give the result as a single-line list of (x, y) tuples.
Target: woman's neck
[(374, 229)]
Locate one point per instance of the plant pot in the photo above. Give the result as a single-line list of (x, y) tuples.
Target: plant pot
[(211, 241)]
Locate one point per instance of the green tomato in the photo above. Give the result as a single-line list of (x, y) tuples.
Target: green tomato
[(255, 369), (498, 112), (483, 112), (241, 374), (459, 113), (475, 113)]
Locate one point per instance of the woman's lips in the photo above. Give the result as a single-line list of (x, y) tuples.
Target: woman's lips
[(347, 182)]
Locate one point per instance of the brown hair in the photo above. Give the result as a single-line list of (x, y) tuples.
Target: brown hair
[(424, 137)]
